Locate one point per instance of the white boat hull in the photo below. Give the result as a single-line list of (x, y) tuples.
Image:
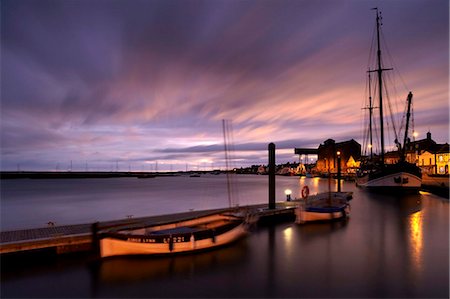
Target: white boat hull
[(303, 216), (133, 246), (399, 181)]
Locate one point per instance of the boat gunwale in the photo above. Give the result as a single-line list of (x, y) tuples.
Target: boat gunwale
[(329, 209), (200, 234)]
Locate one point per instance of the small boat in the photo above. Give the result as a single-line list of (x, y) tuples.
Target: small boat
[(325, 195), (183, 236), (323, 208), (176, 237)]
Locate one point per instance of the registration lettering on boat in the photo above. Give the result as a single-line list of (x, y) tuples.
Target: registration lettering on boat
[(141, 240), (174, 240)]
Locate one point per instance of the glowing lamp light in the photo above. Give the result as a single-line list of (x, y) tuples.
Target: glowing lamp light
[(288, 193), (369, 145), (338, 153), (415, 134)]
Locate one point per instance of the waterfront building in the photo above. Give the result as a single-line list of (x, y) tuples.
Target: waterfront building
[(305, 164), (435, 159), (431, 157), (327, 154), (261, 169), (391, 157)]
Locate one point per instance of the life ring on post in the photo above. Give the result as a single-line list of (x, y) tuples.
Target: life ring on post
[(305, 192)]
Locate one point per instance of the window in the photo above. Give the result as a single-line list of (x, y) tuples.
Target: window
[(441, 158)]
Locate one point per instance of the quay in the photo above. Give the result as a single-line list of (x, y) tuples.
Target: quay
[(436, 184), (81, 237)]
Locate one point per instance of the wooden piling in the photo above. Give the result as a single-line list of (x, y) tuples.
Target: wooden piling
[(271, 149)]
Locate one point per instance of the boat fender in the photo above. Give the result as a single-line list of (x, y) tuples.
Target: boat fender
[(192, 239), (305, 192), (213, 236), (170, 244)]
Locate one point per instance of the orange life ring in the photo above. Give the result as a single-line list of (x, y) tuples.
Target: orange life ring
[(305, 192)]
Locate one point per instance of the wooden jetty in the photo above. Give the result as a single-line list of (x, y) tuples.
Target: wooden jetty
[(81, 237)]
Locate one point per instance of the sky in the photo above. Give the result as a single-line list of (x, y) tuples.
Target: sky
[(138, 85)]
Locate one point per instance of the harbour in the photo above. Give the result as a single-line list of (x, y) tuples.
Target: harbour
[(404, 239), (199, 149)]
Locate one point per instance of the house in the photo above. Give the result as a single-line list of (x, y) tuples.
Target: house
[(391, 157), (327, 154), (431, 157), (435, 159), (262, 170)]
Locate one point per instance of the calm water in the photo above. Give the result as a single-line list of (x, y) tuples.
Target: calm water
[(390, 247)]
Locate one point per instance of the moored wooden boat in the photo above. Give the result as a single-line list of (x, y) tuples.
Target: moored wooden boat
[(176, 237), (323, 208), (325, 195)]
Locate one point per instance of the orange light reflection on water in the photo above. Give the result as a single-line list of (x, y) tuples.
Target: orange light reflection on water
[(303, 181), (287, 236), (416, 239)]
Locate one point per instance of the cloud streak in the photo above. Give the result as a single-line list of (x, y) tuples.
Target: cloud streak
[(149, 80)]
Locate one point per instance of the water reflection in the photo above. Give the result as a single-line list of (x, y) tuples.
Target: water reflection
[(315, 185), (390, 247), (124, 270), (287, 233), (396, 239), (416, 240)]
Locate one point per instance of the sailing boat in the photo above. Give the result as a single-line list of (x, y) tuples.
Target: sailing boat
[(191, 234), (376, 174)]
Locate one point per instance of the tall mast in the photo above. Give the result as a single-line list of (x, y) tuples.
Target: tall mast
[(380, 83), (380, 87), (408, 115), (370, 119), (370, 108)]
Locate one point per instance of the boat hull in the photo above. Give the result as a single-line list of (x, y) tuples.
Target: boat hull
[(323, 209), (402, 177), (303, 215), (398, 182), (129, 244)]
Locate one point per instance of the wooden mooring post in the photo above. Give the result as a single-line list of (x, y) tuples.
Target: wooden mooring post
[(271, 148)]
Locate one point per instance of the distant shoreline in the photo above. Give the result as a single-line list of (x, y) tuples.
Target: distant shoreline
[(82, 174), (434, 184)]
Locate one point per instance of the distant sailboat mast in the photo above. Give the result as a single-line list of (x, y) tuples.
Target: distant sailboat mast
[(226, 140), (233, 198)]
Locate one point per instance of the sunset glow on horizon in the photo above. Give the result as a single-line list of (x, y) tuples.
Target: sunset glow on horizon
[(135, 84)]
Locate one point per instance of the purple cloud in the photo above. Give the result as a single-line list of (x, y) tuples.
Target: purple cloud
[(142, 81)]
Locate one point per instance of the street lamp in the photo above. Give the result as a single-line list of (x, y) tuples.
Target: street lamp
[(288, 193), (339, 170)]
